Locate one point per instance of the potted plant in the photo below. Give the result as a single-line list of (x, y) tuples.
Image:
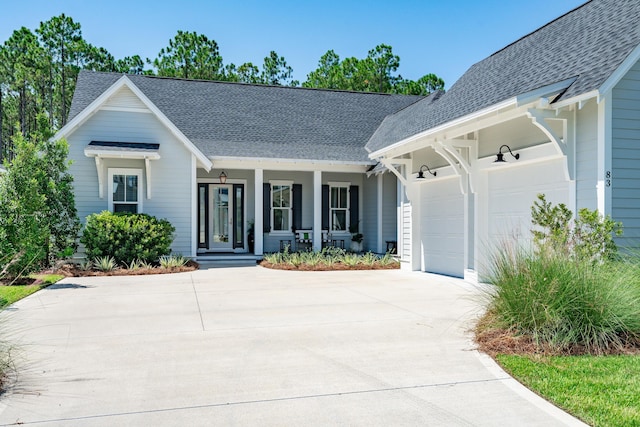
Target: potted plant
[(356, 237), (250, 235)]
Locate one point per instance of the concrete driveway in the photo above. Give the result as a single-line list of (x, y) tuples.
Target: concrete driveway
[(249, 346)]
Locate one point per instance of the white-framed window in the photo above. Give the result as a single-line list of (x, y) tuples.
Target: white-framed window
[(125, 190), (281, 202), (339, 206)]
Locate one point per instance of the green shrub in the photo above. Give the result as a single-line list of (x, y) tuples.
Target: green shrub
[(38, 220), (589, 236), (126, 237)]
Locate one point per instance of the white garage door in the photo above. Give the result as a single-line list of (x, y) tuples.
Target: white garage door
[(442, 227), (512, 192)]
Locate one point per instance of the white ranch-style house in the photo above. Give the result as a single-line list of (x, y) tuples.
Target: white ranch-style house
[(560, 108)]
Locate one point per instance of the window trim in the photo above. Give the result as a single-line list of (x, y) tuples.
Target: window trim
[(124, 171), (273, 183), (337, 184)]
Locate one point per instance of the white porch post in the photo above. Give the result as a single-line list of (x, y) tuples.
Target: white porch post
[(194, 205), (416, 229), (317, 210), (258, 225), (380, 182)]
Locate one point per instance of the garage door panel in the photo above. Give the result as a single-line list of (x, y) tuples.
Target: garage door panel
[(513, 191), (442, 227)]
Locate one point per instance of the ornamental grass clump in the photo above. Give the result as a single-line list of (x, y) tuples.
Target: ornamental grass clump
[(566, 305), (570, 293)]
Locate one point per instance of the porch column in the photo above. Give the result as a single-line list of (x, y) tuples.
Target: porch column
[(317, 210), (380, 249), (258, 224)]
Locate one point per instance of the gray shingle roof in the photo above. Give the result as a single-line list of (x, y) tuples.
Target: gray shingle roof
[(589, 42), (241, 120)]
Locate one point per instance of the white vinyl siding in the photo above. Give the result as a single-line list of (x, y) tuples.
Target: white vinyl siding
[(625, 161), (170, 175)]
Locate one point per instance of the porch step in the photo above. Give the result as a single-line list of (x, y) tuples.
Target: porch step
[(227, 260)]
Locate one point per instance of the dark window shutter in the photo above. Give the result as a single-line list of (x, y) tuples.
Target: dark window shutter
[(266, 207), (354, 208), (325, 207), (297, 206)]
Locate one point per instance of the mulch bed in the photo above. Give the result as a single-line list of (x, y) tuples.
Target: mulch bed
[(500, 341), (72, 270), (333, 267), (22, 281)]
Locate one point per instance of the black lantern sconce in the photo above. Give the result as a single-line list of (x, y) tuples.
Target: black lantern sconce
[(500, 155), (222, 177), (421, 172)]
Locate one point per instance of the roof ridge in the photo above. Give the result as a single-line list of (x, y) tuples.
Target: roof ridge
[(540, 28), (182, 79)]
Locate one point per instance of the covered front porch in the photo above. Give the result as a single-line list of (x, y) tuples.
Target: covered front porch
[(255, 210)]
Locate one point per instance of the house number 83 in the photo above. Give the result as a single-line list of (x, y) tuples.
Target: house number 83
[(608, 178)]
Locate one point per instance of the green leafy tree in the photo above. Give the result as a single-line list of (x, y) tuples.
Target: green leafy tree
[(328, 75), (20, 57), (38, 218), (62, 37), (381, 63), (132, 65), (275, 71), (423, 86), (375, 73), (191, 56)]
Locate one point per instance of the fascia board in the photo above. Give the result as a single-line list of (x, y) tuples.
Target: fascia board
[(122, 154), (290, 164), (206, 163), (541, 92), (576, 99), (91, 109), (511, 102)]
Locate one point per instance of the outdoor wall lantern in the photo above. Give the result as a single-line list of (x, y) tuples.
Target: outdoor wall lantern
[(421, 172), (222, 177), (500, 155)]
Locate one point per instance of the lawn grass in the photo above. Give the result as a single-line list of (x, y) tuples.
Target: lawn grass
[(600, 390), (13, 293)]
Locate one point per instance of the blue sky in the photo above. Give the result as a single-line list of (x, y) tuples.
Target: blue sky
[(441, 37)]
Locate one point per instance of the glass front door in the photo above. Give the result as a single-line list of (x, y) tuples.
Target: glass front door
[(221, 217), (221, 221)]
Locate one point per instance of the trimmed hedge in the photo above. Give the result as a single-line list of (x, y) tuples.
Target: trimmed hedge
[(126, 236)]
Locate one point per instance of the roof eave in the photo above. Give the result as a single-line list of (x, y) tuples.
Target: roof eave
[(407, 142)]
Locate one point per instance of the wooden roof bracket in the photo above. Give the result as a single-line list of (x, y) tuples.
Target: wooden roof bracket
[(564, 143)]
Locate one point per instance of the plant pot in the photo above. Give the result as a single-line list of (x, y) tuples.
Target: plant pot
[(356, 246)]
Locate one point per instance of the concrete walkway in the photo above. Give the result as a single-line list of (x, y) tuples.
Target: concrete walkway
[(250, 346)]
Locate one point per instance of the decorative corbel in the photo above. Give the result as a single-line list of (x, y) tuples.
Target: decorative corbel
[(100, 170), (390, 164), (540, 119)]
